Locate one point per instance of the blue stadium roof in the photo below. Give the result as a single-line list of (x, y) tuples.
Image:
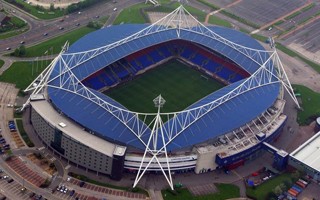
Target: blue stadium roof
[(113, 34), (230, 115)]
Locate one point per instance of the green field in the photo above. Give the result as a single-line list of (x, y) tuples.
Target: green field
[(225, 191), (23, 73), (262, 191), (53, 46), (179, 85), (310, 105)]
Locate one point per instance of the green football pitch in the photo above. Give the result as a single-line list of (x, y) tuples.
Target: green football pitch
[(178, 84)]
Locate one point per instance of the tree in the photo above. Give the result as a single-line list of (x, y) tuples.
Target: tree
[(51, 7), (277, 190), (22, 50)]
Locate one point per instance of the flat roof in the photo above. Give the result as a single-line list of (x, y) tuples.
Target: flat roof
[(71, 129), (309, 152)]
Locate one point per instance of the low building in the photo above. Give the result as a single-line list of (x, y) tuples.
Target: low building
[(307, 157)]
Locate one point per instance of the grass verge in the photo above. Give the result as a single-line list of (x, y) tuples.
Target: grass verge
[(310, 104), (261, 38), (86, 179), (291, 53), (23, 73), (218, 21), (225, 191), (212, 6), (240, 19), (13, 33), (23, 133), (1, 63), (53, 46)]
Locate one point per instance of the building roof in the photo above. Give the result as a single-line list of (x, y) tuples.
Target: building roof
[(309, 152)]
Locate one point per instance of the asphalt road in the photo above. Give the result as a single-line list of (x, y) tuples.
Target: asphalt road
[(39, 27)]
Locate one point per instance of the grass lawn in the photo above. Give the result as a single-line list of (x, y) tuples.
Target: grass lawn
[(39, 12), (179, 85), (23, 133), (57, 42), (1, 63), (132, 15), (225, 191), (218, 21), (261, 192), (261, 38), (310, 104), (21, 73)]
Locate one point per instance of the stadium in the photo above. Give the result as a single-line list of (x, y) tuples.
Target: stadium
[(170, 97)]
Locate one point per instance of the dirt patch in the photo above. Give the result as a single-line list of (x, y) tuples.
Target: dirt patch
[(17, 139), (43, 163)]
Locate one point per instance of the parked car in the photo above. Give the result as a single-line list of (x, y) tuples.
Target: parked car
[(10, 180), (81, 184)]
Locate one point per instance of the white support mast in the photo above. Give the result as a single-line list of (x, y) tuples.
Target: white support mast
[(152, 148)]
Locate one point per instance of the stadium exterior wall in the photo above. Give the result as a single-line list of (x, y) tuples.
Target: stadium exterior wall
[(251, 152), (73, 151), (80, 154)]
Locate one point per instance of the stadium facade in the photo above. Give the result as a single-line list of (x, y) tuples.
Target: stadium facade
[(222, 130)]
